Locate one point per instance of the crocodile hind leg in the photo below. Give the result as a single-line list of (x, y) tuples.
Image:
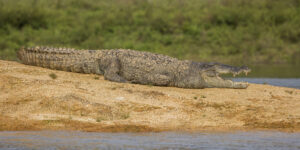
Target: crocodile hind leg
[(111, 72)]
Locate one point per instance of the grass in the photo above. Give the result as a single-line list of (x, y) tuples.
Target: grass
[(53, 76), (203, 96), (99, 119), (227, 31), (125, 116)]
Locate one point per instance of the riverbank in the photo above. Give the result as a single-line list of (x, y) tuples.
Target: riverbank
[(34, 98)]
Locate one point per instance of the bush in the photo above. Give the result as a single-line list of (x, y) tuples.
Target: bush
[(228, 31)]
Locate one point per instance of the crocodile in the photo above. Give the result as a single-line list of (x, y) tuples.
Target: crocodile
[(131, 66)]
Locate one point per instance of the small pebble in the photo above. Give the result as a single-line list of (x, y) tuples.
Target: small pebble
[(120, 98)]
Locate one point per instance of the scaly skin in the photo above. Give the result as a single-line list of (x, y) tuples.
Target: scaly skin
[(131, 66)]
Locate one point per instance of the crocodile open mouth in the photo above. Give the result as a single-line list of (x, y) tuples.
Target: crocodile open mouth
[(212, 77)]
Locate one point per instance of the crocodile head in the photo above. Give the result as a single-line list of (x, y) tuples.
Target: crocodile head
[(212, 79)]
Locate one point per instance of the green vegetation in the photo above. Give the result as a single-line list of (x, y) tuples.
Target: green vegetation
[(99, 119), (53, 76), (125, 116), (228, 31)]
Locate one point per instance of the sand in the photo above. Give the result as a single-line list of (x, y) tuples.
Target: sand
[(35, 98)]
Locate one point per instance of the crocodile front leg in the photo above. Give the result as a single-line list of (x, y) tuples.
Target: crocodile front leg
[(155, 79)]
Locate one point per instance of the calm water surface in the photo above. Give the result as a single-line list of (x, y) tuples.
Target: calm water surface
[(286, 82), (52, 140)]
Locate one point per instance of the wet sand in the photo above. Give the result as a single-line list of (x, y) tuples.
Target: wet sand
[(30, 99)]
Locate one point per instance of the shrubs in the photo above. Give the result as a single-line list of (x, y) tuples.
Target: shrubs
[(21, 15), (214, 30)]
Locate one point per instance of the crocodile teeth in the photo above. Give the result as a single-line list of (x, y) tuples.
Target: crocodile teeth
[(234, 74), (246, 72)]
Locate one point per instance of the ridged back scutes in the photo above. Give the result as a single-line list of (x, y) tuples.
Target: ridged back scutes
[(67, 59), (51, 50)]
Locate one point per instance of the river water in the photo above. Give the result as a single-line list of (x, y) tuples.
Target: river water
[(286, 82), (51, 140), (64, 140)]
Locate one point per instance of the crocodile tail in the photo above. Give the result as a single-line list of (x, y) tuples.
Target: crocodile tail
[(24, 54), (65, 59), (20, 54), (47, 57)]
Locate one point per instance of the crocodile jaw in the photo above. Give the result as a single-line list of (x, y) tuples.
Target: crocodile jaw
[(213, 80)]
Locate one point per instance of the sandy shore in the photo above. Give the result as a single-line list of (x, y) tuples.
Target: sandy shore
[(30, 99)]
